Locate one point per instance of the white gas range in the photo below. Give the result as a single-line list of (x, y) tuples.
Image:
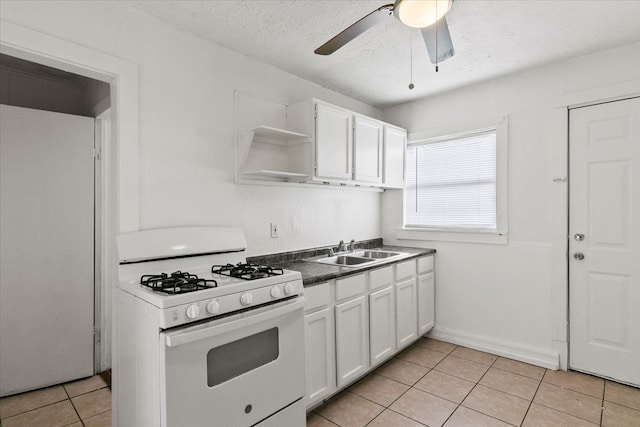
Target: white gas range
[(202, 338)]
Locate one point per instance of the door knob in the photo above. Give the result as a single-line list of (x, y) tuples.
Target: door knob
[(579, 237), (579, 256)]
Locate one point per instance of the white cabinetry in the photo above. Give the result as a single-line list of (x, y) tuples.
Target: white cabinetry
[(319, 344), (406, 307), (333, 142), (395, 143), (347, 148), (426, 295), (352, 329), (367, 144), (357, 322), (382, 315)]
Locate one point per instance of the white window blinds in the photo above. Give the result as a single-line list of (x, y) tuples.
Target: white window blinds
[(451, 184)]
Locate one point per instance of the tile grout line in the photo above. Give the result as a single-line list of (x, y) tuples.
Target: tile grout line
[(604, 391), (533, 397)]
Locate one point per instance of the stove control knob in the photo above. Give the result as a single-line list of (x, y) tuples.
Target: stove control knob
[(246, 298), (288, 289), (275, 292), (213, 307), (193, 311)]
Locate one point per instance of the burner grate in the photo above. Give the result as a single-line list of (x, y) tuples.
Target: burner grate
[(246, 271), (177, 282)]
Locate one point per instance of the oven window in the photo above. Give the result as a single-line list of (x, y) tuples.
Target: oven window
[(235, 358)]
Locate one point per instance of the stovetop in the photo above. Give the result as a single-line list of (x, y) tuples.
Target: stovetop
[(177, 282)]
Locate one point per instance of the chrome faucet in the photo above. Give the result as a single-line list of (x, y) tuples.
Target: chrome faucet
[(352, 245), (341, 247)]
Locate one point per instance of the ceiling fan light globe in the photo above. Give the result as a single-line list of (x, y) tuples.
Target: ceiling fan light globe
[(421, 13)]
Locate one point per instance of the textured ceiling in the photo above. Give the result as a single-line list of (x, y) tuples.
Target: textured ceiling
[(491, 38)]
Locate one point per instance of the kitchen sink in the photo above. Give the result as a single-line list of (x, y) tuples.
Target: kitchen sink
[(356, 259), (377, 254), (346, 260)]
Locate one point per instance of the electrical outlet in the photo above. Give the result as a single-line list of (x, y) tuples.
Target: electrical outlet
[(275, 230)]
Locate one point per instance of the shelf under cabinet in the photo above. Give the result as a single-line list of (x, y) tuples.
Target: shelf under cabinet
[(275, 136), (273, 175)]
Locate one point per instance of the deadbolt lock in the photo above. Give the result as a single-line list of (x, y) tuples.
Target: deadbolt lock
[(579, 237), (579, 256)]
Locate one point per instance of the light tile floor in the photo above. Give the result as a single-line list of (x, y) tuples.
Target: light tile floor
[(435, 384), (432, 383), (85, 402)]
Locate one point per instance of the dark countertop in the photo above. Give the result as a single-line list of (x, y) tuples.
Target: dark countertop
[(315, 273)]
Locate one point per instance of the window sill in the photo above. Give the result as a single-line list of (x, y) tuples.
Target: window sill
[(462, 236)]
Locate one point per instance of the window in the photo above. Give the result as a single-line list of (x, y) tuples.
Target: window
[(456, 187)]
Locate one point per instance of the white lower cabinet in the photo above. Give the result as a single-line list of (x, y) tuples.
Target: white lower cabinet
[(382, 325), (319, 348), (406, 313), (320, 342), (426, 315), (352, 352), (357, 322)]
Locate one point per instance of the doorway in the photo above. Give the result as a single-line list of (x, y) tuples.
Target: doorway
[(604, 230), (48, 233)]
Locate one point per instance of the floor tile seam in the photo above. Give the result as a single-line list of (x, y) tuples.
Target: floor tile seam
[(515, 373), (444, 398), (458, 377), (604, 389), (40, 407), (324, 418), (401, 414), (471, 360), (575, 391), (531, 402), (94, 415), (563, 412), (510, 394), (620, 404), (83, 394), (76, 411), (490, 416)]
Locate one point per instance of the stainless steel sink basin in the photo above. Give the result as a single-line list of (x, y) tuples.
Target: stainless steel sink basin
[(356, 259), (346, 260), (377, 254)]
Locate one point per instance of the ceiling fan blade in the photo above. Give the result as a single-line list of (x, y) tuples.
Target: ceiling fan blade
[(444, 48), (355, 30)]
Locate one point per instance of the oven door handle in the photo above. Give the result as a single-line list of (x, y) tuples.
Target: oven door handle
[(229, 324)]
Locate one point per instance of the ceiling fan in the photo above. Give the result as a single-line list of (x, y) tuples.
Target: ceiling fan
[(428, 15)]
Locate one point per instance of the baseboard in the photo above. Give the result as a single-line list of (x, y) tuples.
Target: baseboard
[(531, 355)]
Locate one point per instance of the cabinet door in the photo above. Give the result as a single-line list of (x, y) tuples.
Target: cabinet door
[(426, 318), (319, 356), (367, 144), (406, 317), (395, 141), (352, 352), (333, 142), (382, 325)]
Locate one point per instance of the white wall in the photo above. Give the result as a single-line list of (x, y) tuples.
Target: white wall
[(506, 297), (186, 87)]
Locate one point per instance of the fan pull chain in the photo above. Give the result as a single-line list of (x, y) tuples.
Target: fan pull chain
[(411, 86), (437, 36)]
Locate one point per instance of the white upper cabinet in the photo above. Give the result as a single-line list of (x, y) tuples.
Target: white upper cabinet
[(395, 143), (334, 143), (367, 147), (346, 147)]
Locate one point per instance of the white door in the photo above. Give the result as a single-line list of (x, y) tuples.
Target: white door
[(47, 247), (604, 256), (352, 351), (367, 143), (334, 140)]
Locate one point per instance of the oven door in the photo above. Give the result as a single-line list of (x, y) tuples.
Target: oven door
[(234, 371)]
